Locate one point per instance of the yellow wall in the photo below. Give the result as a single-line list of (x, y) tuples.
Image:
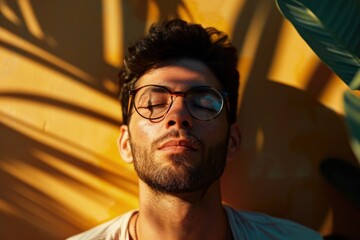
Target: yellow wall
[(60, 172)]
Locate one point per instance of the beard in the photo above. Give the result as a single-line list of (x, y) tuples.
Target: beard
[(180, 173)]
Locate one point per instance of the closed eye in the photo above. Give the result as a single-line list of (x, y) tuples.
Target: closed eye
[(152, 106)]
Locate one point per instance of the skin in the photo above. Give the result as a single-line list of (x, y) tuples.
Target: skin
[(182, 215)]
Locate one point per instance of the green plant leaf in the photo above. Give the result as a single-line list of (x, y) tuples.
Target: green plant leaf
[(332, 29)]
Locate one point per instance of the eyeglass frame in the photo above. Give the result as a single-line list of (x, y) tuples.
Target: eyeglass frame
[(224, 96)]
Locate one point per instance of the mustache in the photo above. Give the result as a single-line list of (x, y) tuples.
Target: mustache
[(174, 133)]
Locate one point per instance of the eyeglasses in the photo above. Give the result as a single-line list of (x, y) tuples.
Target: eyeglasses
[(154, 101)]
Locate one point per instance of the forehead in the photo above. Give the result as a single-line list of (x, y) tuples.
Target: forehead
[(180, 75)]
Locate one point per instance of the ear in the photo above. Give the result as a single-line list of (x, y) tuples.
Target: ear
[(234, 142), (124, 145)]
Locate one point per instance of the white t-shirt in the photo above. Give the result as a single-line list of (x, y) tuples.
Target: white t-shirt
[(243, 225)]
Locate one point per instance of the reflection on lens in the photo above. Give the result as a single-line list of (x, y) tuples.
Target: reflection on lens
[(204, 103)]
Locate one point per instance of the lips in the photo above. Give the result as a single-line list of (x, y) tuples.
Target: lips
[(178, 144)]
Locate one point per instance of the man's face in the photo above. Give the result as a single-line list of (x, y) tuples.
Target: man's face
[(178, 153)]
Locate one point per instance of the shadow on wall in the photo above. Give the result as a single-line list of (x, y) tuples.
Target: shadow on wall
[(286, 132), (22, 173)]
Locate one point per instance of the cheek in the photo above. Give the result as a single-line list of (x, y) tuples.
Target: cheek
[(217, 127), (142, 132), (212, 134)]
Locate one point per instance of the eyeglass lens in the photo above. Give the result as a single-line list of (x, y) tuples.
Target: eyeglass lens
[(153, 102)]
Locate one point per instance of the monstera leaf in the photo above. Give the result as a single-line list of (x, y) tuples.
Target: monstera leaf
[(332, 29)]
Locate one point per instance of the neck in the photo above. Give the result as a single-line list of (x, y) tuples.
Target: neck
[(198, 215)]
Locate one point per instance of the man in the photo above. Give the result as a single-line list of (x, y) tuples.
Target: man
[(179, 90)]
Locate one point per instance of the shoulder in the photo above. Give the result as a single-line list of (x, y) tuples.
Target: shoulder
[(253, 225), (115, 229)]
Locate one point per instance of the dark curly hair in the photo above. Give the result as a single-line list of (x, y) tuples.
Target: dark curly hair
[(177, 39)]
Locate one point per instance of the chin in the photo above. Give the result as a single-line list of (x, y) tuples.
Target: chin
[(180, 180)]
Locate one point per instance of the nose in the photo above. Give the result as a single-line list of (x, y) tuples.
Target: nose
[(178, 115)]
